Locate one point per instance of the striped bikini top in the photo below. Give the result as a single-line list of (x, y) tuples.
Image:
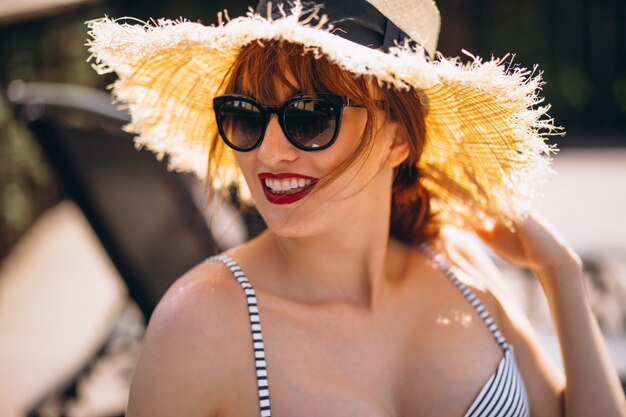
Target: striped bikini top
[(504, 393)]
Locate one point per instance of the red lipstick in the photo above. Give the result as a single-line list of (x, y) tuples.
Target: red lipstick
[(285, 197)]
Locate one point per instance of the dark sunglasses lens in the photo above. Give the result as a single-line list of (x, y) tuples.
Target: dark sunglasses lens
[(311, 122), (242, 123)]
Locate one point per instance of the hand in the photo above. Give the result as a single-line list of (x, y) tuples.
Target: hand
[(533, 244)]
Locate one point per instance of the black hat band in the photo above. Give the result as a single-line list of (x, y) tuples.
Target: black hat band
[(354, 20)]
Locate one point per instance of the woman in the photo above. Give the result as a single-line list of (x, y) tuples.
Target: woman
[(359, 157)]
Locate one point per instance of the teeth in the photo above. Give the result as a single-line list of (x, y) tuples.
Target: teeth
[(287, 185)]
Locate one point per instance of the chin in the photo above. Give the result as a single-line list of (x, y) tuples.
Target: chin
[(301, 219), (318, 213), (293, 223)]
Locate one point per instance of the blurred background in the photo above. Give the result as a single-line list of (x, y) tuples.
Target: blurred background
[(92, 232)]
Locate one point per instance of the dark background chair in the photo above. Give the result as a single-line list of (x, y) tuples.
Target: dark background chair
[(143, 214)]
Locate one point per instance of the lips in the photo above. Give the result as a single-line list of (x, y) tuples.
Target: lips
[(285, 187)]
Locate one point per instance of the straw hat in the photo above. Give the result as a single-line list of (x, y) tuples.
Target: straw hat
[(485, 153)]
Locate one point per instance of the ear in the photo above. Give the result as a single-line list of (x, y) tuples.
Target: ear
[(399, 147)]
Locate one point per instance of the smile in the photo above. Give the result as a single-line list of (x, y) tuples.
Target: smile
[(287, 185), (286, 188)]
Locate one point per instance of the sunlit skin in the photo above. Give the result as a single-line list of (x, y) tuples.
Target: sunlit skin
[(356, 323), (366, 182), (333, 216)]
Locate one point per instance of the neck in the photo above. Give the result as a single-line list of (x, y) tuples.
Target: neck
[(348, 264)]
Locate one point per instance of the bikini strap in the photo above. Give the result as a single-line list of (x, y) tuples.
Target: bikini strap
[(478, 306), (255, 327)]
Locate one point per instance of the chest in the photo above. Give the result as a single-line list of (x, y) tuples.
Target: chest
[(428, 361)]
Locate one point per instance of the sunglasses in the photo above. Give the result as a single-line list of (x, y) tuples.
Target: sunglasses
[(310, 122)]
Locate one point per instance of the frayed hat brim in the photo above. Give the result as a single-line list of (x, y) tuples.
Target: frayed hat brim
[(485, 154)]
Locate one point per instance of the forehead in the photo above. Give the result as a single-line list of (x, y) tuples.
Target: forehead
[(273, 84), (274, 71)]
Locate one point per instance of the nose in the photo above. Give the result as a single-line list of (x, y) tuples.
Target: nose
[(276, 148)]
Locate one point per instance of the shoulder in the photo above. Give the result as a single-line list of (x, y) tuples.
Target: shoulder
[(185, 352), (472, 265), (475, 268), (478, 271), (208, 287), (544, 382), (466, 252), (205, 298)]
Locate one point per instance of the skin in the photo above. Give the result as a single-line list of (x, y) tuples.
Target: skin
[(356, 323)]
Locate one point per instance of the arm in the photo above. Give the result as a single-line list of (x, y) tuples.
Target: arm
[(182, 360), (543, 380), (592, 387)]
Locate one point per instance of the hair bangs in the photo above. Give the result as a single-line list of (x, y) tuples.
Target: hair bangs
[(272, 71), (266, 70)]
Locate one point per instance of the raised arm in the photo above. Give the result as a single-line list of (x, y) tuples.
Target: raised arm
[(592, 386)]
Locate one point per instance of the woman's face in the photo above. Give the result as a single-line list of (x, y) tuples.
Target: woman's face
[(278, 175)]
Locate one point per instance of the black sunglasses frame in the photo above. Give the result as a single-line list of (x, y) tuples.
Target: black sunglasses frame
[(338, 103)]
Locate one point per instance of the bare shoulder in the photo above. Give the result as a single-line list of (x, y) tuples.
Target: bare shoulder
[(185, 353), (466, 252), (209, 287), (479, 272), (544, 382), (472, 265)]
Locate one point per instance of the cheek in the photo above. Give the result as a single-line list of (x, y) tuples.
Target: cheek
[(323, 163), (350, 134), (371, 158), (247, 165), (352, 128)]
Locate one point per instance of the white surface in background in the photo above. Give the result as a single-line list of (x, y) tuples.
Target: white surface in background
[(59, 295), (586, 203), (586, 200)]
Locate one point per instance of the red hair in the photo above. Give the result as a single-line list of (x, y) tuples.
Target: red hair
[(261, 67)]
